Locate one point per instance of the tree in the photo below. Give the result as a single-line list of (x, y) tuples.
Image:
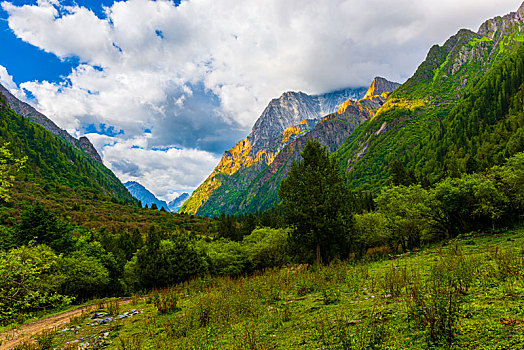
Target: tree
[(42, 226), (8, 165), (227, 228), (407, 210), (316, 203), (27, 281), (399, 175)]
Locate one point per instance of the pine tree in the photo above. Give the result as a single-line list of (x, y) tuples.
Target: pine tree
[(316, 203)]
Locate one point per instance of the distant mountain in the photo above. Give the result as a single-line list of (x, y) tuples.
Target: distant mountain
[(27, 111), (176, 203), (144, 195), (284, 120), (254, 187)]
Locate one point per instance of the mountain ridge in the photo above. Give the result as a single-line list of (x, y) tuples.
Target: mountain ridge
[(29, 112), (144, 195)]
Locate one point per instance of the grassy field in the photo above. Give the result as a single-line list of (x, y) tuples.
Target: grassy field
[(467, 293)]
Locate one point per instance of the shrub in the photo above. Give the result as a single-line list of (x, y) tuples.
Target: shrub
[(226, 258), (267, 247), (434, 306), (28, 281), (166, 300), (84, 276)]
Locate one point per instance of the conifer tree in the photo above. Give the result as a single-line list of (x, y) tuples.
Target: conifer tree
[(316, 203)]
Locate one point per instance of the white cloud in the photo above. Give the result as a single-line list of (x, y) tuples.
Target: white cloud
[(6, 80), (198, 75), (161, 171)]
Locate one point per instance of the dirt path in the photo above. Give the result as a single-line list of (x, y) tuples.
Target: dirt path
[(18, 335)]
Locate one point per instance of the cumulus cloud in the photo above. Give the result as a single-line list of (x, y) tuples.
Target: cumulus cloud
[(164, 171), (199, 74), (6, 80)]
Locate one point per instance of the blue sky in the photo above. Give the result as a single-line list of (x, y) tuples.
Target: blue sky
[(163, 88)]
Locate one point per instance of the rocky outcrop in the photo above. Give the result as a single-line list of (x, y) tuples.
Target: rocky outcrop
[(500, 26), (30, 113), (89, 149), (332, 131), (289, 110)]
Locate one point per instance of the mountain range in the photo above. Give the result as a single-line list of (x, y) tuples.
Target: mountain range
[(148, 199), (460, 112), (248, 176), (54, 158)]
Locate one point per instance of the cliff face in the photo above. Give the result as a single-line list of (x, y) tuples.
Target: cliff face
[(28, 112), (289, 110)]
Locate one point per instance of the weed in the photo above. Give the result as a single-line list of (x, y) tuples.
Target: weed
[(44, 340), (165, 301), (394, 280), (113, 307), (132, 342), (434, 306), (330, 296)]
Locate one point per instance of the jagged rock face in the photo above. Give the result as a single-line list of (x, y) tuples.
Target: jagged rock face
[(332, 131), (89, 149), (289, 110), (176, 203), (502, 25), (144, 195), (27, 111)]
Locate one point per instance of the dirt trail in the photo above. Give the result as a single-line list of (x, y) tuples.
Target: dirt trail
[(18, 335)]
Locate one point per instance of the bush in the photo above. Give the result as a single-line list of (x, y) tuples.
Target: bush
[(28, 281), (224, 257), (434, 306), (84, 276), (166, 300), (267, 247), (161, 263)]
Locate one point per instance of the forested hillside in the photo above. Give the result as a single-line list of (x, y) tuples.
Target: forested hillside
[(460, 112)]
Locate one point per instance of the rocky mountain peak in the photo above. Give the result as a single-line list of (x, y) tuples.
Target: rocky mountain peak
[(88, 148), (500, 26), (289, 110), (379, 86)]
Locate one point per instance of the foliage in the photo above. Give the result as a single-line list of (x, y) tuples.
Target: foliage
[(448, 296), (28, 282), (315, 202), (267, 248), (161, 263), (226, 258), (166, 300), (406, 210), (84, 276), (8, 166), (40, 225)]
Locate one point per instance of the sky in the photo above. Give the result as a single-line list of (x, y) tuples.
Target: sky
[(162, 88)]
